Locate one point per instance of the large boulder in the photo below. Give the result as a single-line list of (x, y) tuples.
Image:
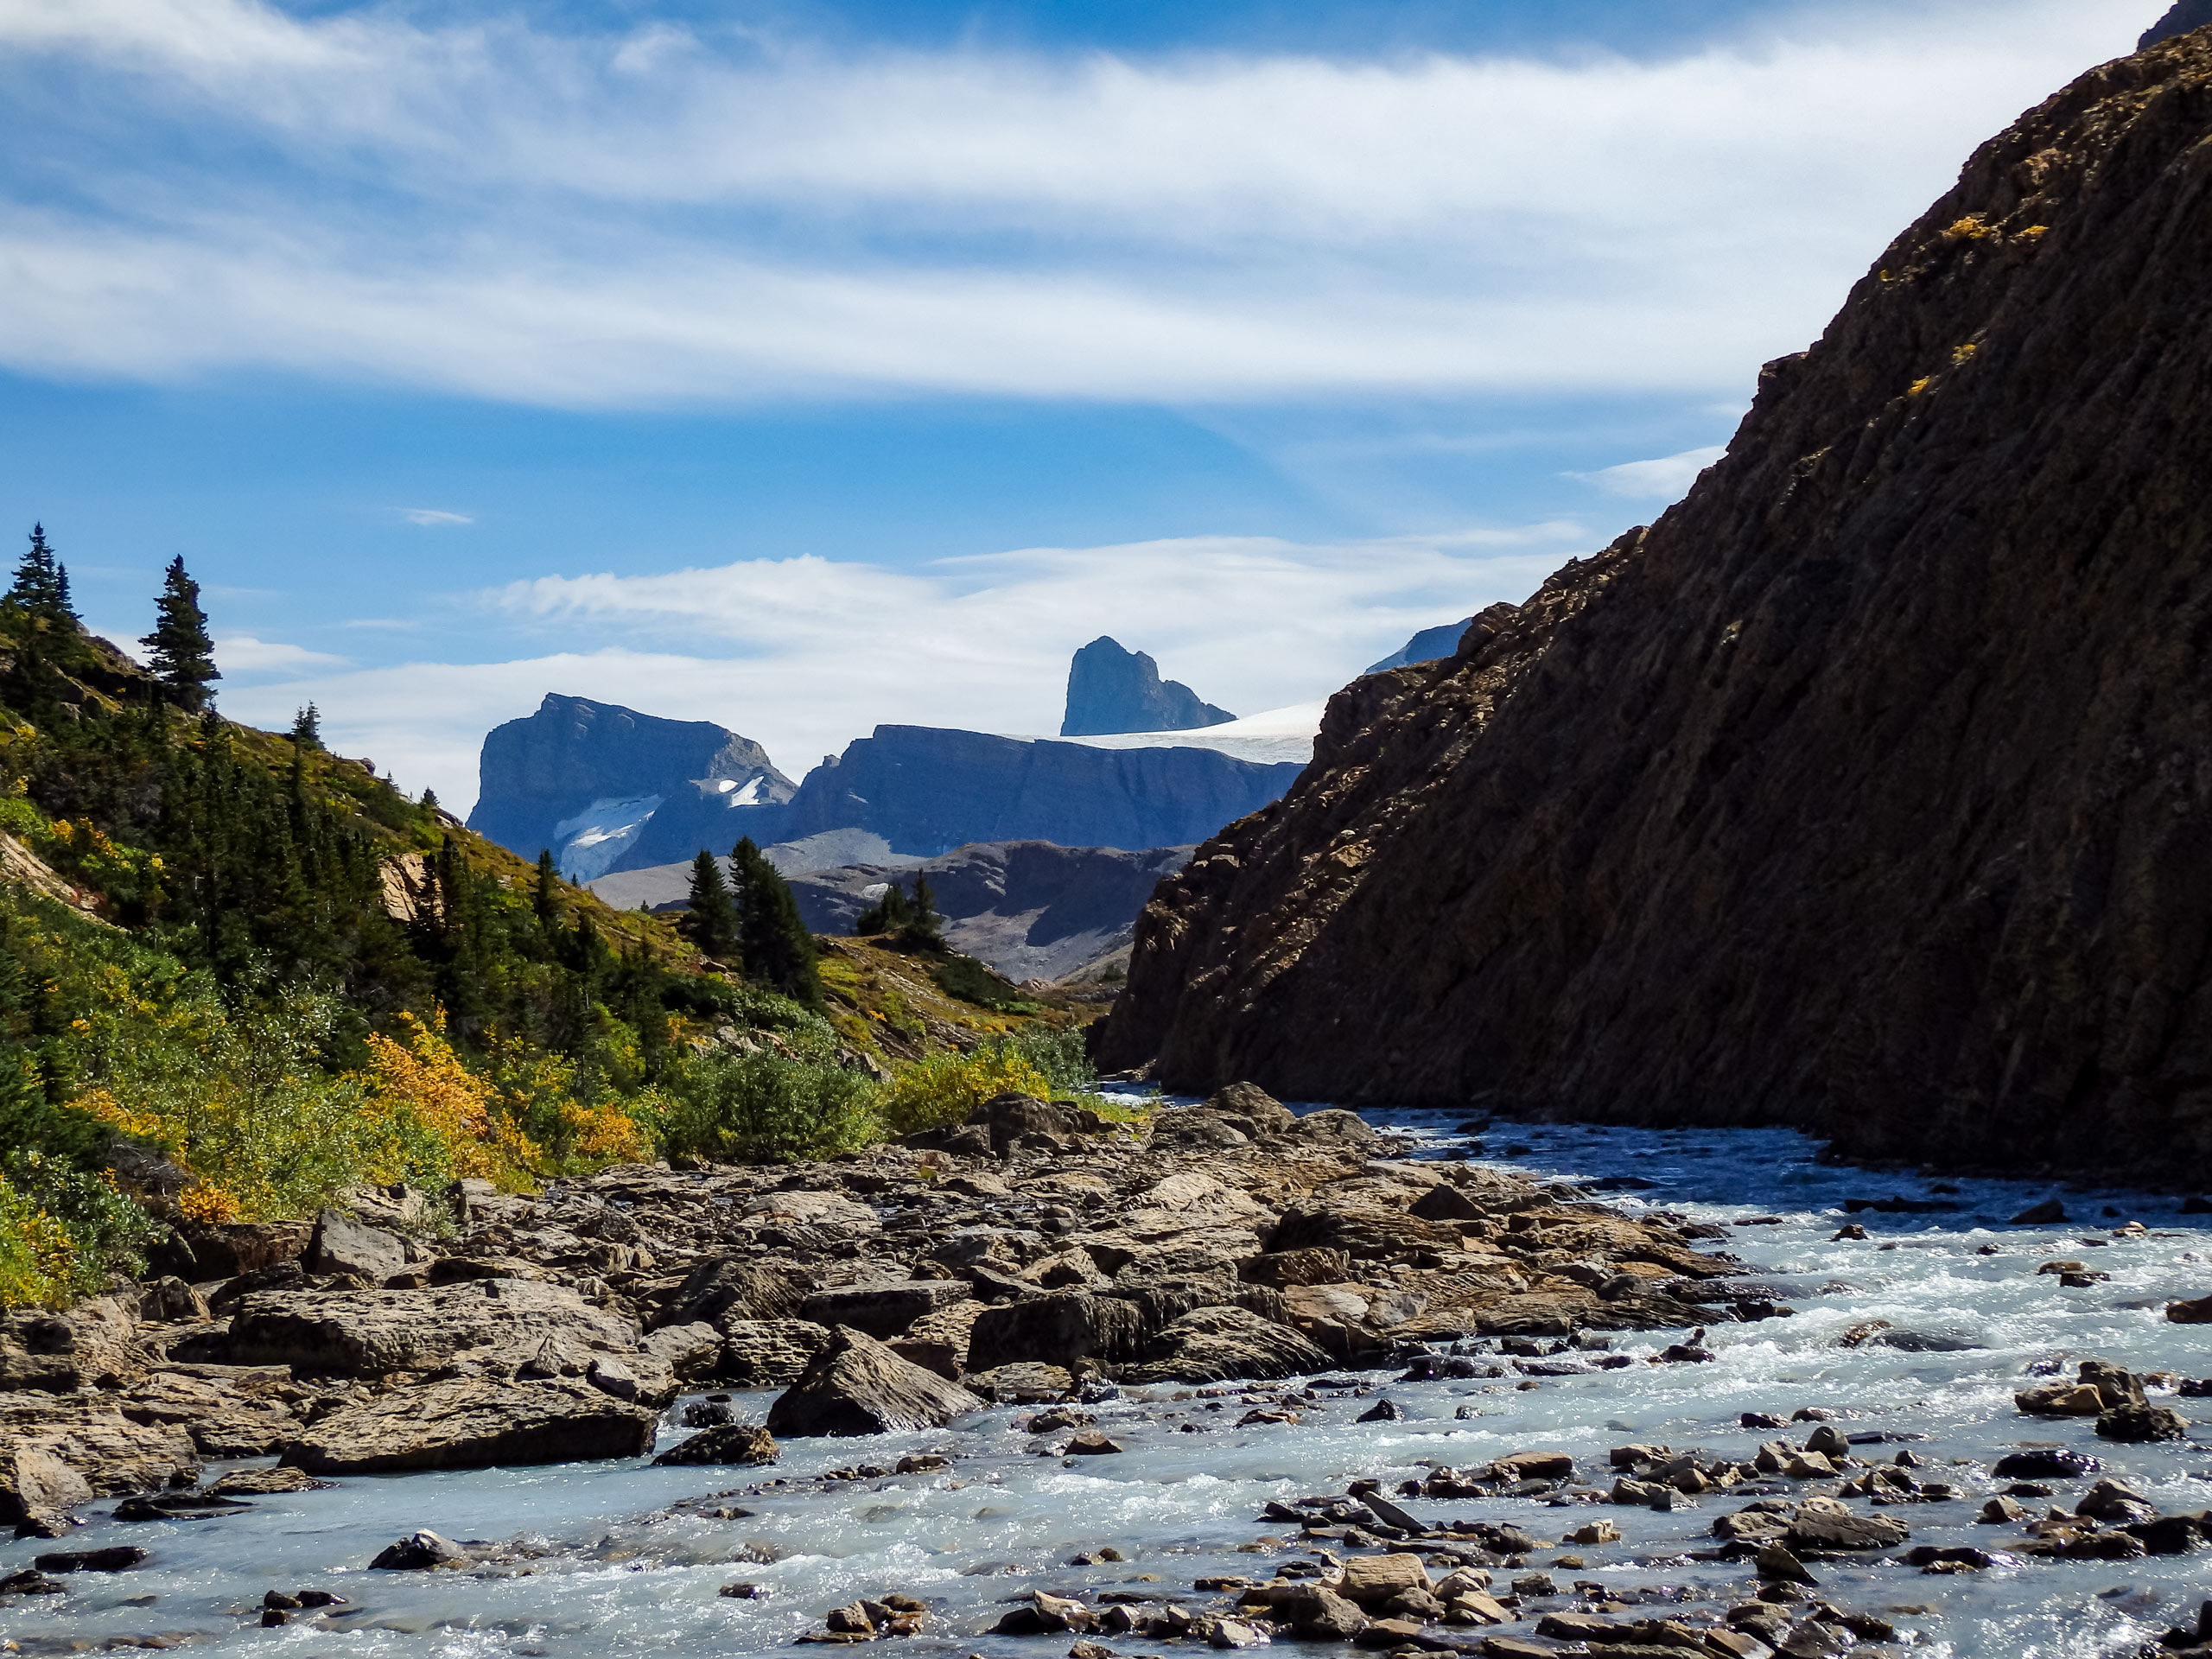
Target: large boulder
[(768, 1353), (88, 1347), (884, 1310), (365, 1333), (341, 1244), (717, 1291), (469, 1423), (1060, 1329), (1215, 1344), (197, 1251), (724, 1443), (56, 1454), (857, 1386)]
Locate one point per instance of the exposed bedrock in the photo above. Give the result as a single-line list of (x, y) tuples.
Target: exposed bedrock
[(1867, 791)]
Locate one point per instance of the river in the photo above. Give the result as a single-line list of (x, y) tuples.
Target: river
[(611, 1561)]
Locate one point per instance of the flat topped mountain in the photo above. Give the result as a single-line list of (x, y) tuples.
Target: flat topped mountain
[(1868, 791), (590, 780), (1111, 690)]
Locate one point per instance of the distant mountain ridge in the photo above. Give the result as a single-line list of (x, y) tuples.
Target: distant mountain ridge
[(1111, 690), (609, 790), (1430, 643)]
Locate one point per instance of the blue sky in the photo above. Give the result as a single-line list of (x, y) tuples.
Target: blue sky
[(801, 367)]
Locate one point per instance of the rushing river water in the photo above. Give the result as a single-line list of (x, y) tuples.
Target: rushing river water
[(608, 1561)]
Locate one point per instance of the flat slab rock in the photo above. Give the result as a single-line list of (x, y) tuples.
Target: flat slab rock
[(365, 1333), (58, 1453), (468, 1423)]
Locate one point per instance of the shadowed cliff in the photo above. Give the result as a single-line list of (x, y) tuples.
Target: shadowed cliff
[(1868, 791)]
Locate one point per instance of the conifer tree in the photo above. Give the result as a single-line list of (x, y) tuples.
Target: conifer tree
[(779, 951), (712, 922), (926, 926), (41, 584), (306, 727), (545, 896), (183, 657)]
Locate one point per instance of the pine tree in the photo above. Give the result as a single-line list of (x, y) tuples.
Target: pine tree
[(779, 951), (306, 727), (182, 656), (711, 923), (41, 584), (545, 897), (925, 928), (888, 914)]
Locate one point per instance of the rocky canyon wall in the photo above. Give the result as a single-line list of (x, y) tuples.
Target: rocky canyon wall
[(1869, 790)]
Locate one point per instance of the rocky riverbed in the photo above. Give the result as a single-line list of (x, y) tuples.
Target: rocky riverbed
[(1055, 1384)]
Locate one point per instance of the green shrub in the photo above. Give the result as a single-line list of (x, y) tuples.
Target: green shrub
[(941, 1090), (764, 1109), (971, 982), (1059, 1053)]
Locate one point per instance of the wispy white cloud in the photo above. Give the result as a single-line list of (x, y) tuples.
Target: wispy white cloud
[(805, 654), (241, 653), (1667, 479), (653, 216), (430, 517)]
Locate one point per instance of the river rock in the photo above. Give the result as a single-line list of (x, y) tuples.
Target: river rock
[(724, 1443), (417, 1551), (116, 1558), (720, 1290), (365, 1333), (768, 1353), (857, 1386), (1370, 1580), (57, 1454), (2136, 1424), (1214, 1344), (472, 1423), (2197, 1312), (1062, 1329), (341, 1244), (90, 1346), (883, 1310)]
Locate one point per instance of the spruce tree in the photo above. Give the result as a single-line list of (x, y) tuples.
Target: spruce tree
[(711, 923), (779, 951), (183, 657), (545, 897), (306, 727), (41, 584), (925, 927)]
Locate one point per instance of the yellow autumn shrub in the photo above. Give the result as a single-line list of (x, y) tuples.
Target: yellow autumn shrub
[(941, 1090)]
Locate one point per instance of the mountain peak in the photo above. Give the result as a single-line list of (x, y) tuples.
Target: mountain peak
[(1111, 689)]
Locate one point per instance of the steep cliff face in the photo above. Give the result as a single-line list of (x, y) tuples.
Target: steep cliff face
[(603, 786), (925, 790), (1868, 791), (1111, 689)]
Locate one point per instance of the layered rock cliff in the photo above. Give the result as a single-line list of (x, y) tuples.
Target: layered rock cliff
[(1867, 791), (603, 786), (1113, 690), (926, 790)]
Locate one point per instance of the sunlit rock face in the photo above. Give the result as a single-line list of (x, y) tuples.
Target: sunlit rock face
[(606, 788), (1112, 690)]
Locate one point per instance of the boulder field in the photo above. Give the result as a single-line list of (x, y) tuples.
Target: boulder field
[(1034, 1250)]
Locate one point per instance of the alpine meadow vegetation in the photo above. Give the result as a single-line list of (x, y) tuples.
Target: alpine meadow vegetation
[(240, 974)]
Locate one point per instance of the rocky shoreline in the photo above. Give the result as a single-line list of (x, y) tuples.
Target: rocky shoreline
[(1022, 1256), (1114, 1285)]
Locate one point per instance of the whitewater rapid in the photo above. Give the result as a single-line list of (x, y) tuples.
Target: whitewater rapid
[(611, 1561)]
